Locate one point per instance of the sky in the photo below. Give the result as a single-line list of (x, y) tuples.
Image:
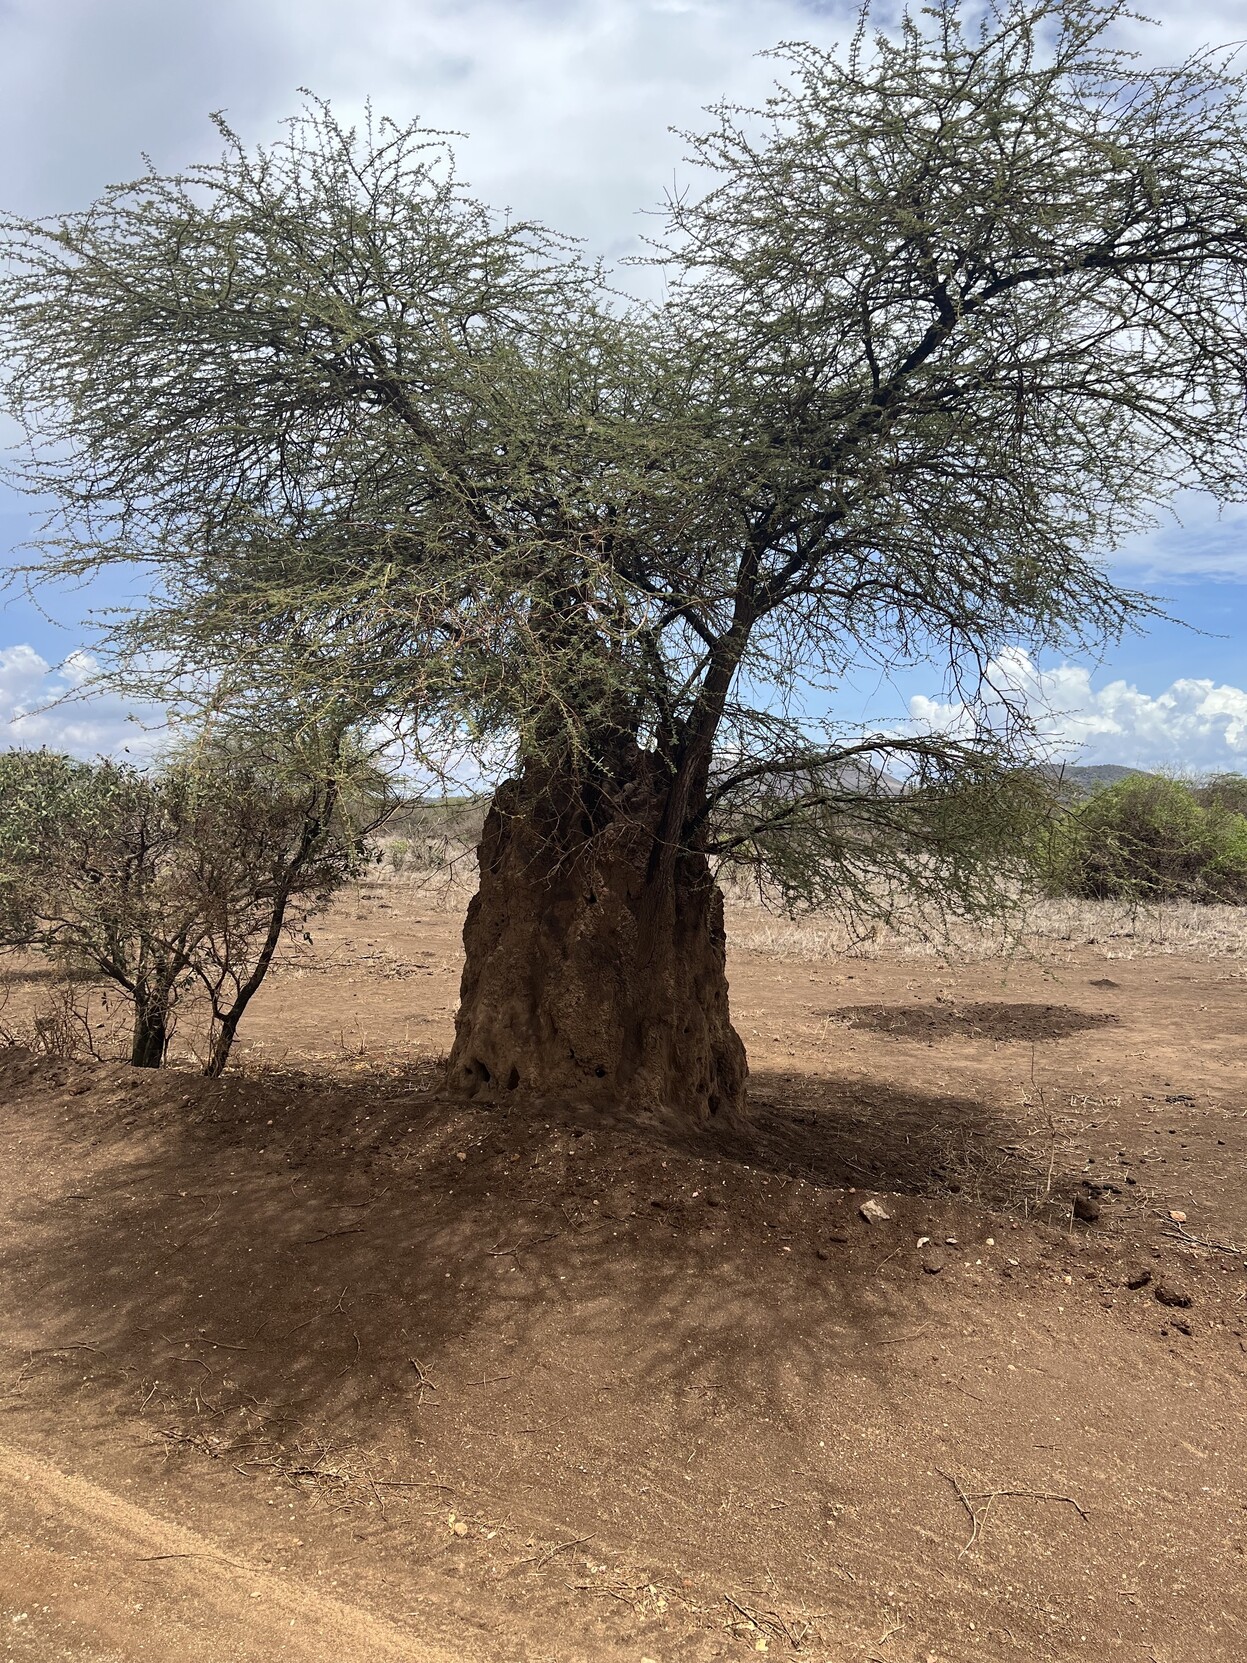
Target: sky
[(566, 107)]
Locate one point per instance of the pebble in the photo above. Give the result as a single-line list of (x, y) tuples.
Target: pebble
[(874, 1212), (1171, 1296)]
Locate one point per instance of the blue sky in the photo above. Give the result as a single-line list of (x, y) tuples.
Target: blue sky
[(566, 106)]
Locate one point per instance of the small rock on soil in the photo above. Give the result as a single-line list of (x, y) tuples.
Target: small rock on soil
[(1175, 1297)]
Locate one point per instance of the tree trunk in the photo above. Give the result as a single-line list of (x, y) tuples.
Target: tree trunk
[(228, 1020), (151, 1031), (223, 1041), (596, 970)]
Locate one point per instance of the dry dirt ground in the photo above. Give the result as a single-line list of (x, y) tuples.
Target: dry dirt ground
[(310, 1364)]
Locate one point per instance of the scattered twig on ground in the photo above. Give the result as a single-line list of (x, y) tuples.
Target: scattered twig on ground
[(771, 1622), (873, 1656), (988, 1497), (548, 1553), (348, 1230), (520, 1246), (194, 1235), (1179, 1234), (192, 1440), (354, 1360), (904, 1339), (333, 1310), (424, 1381), (47, 1351), (152, 1558)]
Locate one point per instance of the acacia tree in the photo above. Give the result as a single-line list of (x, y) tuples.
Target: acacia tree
[(951, 315)]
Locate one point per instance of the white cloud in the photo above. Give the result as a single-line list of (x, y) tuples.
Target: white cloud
[(565, 104), (1193, 726), (1194, 541), (54, 706)]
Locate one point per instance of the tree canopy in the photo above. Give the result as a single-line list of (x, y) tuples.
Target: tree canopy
[(949, 316)]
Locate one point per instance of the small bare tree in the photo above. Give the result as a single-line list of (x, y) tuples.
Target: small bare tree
[(185, 874)]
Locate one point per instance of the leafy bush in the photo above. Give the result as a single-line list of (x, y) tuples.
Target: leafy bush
[(1152, 838)]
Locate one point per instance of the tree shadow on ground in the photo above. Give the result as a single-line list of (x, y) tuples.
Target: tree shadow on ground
[(991, 1019), (267, 1266), (835, 1132)]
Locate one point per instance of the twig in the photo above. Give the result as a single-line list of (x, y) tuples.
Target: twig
[(151, 1558), (354, 1360), (978, 1520), (1179, 1234), (48, 1351), (904, 1339), (423, 1379), (350, 1230), (764, 1620), (544, 1557), (332, 1311), (520, 1246), (194, 1235)]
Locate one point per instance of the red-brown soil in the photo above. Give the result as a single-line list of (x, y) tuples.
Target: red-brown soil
[(311, 1364)]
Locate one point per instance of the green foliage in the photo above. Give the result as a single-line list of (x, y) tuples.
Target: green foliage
[(962, 834), (183, 875), (950, 316), (1150, 838)]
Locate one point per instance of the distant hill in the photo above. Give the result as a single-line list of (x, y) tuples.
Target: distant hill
[(1085, 779)]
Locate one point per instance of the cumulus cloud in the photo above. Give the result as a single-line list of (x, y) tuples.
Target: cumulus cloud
[(1195, 725), (55, 706)]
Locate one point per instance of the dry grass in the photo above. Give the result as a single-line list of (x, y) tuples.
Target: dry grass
[(1051, 927)]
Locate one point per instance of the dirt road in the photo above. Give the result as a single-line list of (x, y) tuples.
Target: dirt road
[(312, 1364), (89, 1577)]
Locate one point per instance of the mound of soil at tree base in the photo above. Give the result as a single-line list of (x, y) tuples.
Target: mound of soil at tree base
[(589, 974), (510, 1384), (989, 1019)]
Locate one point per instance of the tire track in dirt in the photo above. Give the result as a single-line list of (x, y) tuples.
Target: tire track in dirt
[(88, 1576)]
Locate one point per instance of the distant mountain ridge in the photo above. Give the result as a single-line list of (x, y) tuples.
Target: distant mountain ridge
[(1086, 778)]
